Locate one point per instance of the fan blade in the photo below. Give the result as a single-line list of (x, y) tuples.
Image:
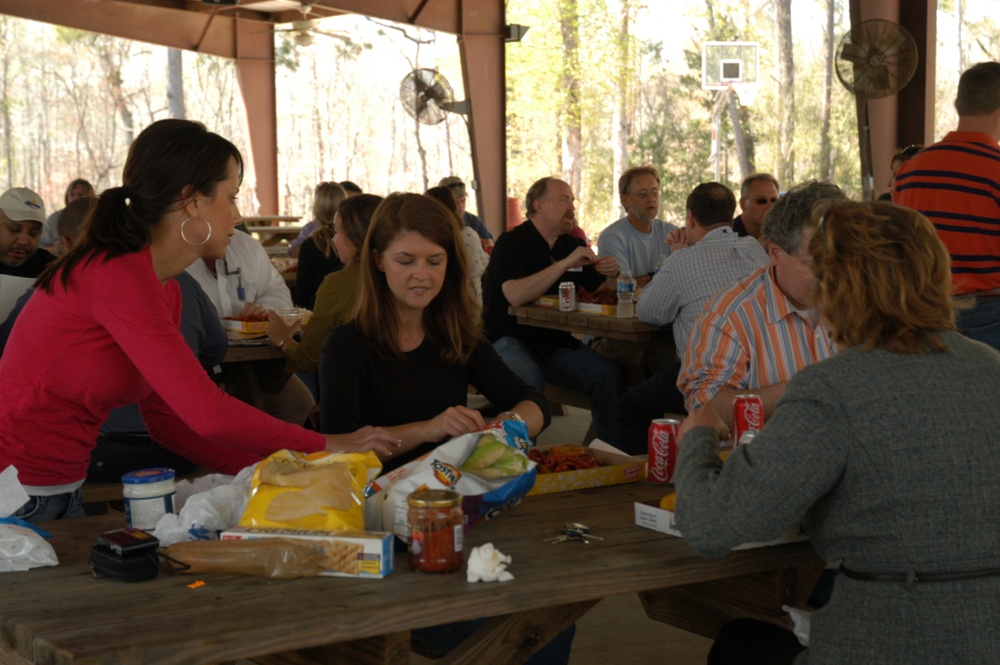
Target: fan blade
[(854, 53)]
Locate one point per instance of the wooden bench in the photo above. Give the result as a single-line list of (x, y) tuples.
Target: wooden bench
[(112, 492)]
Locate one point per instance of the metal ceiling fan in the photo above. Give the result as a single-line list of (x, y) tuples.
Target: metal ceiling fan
[(302, 31)]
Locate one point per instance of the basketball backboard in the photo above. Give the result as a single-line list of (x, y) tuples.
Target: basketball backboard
[(725, 63)]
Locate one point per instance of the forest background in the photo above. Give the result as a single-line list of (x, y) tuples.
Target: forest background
[(594, 87)]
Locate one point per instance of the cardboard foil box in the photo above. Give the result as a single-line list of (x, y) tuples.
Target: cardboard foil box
[(356, 553), (649, 515), (595, 308), (247, 327), (621, 469)]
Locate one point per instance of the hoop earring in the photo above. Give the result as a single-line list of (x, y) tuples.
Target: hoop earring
[(196, 244)]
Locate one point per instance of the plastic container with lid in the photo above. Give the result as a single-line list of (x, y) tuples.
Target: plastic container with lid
[(149, 495), (436, 530)]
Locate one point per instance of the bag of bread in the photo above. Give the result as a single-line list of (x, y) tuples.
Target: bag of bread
[(311, 491)]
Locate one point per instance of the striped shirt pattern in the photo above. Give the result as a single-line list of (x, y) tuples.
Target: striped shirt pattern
[(749, 336), (956, 184)]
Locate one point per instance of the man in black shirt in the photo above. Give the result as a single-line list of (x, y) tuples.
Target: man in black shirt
[(22, 216), (530, 261)]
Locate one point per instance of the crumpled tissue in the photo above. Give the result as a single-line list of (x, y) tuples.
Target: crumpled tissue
[(488, 564), (21, 547), (205, 507)]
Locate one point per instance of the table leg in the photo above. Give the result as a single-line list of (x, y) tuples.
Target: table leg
[(703, 608)]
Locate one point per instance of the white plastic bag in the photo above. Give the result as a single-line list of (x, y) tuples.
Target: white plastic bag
[(205, 507), (21, 546)]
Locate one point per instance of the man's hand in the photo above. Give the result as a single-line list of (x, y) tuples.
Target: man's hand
[(677, 240), (253, 310), (607, 266), (704, 416)]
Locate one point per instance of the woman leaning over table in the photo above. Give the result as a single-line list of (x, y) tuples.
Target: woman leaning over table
[(889, 449), (337, 295), (407, 359), (102, 330), (415, 345)]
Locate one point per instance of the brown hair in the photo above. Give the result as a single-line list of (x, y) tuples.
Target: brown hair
[(327, 199), (757, 177), (168, 159), (535, 193), (979, 90), (446, 197), (625, 181), (883, 277), (450, 320), (355, 216), (712, 203)]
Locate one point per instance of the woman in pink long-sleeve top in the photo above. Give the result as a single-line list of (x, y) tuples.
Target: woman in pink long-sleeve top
[(102, 331)]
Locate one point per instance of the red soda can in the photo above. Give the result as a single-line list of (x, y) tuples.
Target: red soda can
[(748, 416), (567, 297), (661, 463)]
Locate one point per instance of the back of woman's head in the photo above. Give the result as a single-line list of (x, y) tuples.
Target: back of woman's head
[(450, 320), (328, 198), (86, 189), (356, 214), (883, 277), (444, 196), (167, 164)]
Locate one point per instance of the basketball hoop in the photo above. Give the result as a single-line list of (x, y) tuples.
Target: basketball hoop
[(745, 91)]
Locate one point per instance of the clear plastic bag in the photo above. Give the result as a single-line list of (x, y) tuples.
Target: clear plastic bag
[(281, 558)]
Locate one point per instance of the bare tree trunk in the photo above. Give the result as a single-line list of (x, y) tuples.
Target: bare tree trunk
[(175, 83), (572, 144), (741, 148), (825, 162), (786, 80), (619, 118), (963, 59), (5, 104), (113, 74)]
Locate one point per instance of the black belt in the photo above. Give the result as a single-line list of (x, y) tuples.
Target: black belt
[(920, 577)]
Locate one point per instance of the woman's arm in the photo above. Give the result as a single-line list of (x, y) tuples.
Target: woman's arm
[(529, 412), (498, 383)]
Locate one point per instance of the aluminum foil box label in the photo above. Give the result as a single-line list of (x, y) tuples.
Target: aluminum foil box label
[(355, 553)]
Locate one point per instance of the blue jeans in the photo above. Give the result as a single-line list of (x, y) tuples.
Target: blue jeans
[(981, 322), (579, 369), (55, 507)]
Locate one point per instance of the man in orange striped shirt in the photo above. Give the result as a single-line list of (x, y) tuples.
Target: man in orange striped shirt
[(755, 335), (956, 184)]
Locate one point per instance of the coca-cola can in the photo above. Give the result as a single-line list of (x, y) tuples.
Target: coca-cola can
[(748, 416), (661, 463), (567, 297)]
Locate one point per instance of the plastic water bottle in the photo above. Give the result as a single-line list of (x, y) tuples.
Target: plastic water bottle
[(626, 295)]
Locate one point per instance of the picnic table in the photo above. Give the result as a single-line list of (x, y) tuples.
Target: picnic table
[(62, 615)]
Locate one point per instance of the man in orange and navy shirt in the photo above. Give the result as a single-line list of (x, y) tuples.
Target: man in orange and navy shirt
[(755, 335), (956, 184)]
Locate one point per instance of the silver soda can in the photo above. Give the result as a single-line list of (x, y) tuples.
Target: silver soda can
[(661, 462), (567, 297)]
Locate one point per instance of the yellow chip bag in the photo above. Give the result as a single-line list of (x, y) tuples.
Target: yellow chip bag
[(311, 491)]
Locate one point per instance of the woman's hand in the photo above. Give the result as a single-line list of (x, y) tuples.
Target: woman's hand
[(453, 421), (278, 331), (704, 416), (366, 438)]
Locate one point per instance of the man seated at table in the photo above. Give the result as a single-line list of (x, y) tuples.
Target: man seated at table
[(124, 444), (758, 193), (22, 215), (530, 261), (756, 334), (637, 240), (711, 258), (246, 284)]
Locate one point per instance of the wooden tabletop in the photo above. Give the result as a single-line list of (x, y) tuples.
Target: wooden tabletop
[(272, 235), (632, 329), (63, 615), (251, 371)]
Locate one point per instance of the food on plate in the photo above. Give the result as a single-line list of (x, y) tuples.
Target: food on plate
[(564, 458), (492, 458), (598, 297), (249, 317), (668, 502)]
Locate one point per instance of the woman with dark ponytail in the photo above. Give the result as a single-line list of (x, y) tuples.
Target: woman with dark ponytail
[(102, 330)]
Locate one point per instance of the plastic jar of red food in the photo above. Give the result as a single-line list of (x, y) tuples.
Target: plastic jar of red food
[(436, 530)]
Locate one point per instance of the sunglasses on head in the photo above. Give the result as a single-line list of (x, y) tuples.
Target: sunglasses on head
[(761, 200)]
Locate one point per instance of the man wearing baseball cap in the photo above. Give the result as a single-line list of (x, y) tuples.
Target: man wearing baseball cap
[(461, 194), (22, 215)]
